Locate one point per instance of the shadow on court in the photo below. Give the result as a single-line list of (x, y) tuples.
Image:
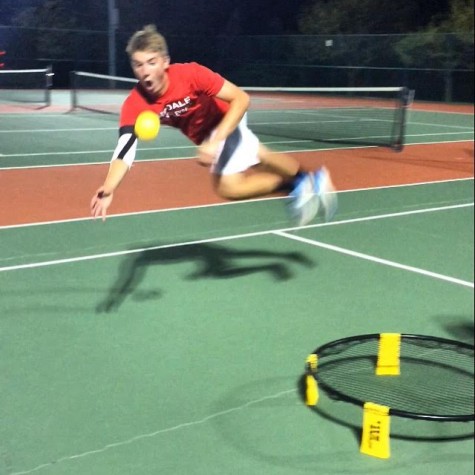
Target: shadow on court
[(348, 415), (461, 329), (213, 262)]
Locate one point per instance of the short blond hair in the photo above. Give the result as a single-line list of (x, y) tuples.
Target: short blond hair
[(147, 39)]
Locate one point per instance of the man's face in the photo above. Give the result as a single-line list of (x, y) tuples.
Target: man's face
[(150, 69)]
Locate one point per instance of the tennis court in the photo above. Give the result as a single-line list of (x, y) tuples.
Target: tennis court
[(171, 339)]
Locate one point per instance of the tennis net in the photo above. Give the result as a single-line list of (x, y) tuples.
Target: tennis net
[(99, 92), (358, 116), (26, 86)]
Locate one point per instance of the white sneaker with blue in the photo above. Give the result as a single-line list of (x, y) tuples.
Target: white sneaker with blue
[(313, 194), (325, 190)]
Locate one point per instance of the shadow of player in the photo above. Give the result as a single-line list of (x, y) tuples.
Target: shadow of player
[(213, 261)]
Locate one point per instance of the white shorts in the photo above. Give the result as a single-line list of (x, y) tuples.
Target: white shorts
[(238, 152)]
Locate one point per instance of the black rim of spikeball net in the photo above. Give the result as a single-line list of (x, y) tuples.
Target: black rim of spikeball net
[(410, 374)]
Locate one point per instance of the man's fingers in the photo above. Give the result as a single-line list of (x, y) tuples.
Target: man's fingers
[(96, 208)]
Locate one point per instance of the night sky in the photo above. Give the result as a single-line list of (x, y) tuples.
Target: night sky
[(179, 16), (193, 17)]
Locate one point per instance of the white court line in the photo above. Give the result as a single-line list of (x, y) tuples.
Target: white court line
[(70, 260), (93, 152), (75, 129), (378, 260), (161, 159), (435, 111), (466, 128), (184, 425)]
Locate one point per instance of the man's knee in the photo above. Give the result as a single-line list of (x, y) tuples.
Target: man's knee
[(230, 186)]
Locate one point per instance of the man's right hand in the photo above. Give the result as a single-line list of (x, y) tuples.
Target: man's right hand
[(100, 202)]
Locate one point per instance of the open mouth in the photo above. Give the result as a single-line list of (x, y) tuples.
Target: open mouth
[(148, 84)]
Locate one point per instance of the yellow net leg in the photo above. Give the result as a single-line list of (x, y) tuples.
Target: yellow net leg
[(311, 386), (388, 363), (311, 390), (376, 431)]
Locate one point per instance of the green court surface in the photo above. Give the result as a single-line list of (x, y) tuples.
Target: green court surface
[(173, 342), (29, 140)]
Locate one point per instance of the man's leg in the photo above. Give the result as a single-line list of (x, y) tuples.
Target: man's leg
[(281, 163), (270, 172), (275, 170), (240, 186)]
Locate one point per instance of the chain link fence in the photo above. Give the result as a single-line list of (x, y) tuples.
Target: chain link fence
[(439, 67)]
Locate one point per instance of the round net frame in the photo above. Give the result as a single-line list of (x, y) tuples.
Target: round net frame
[(434, 378)]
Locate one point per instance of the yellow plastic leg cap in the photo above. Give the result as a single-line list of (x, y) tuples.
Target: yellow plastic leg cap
[(311, 390), (389, 355), (375, 437)]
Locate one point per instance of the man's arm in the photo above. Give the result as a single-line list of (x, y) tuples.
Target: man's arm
[(103, 196), (122, 159), (238, 101)]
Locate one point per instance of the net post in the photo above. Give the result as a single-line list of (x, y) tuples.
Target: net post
[(405, 98), (48, 84), (72, 81)]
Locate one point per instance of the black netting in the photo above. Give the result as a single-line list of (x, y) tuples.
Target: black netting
[(436, 376)]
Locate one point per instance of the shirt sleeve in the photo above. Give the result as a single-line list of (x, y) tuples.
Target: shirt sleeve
[(126, 147), (206, 80)]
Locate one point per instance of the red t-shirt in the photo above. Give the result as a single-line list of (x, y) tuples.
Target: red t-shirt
[(188, 104)]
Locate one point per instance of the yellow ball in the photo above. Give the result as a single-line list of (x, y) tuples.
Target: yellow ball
[(147, 125)]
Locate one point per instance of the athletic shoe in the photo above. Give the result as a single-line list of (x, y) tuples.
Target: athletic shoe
[(324, 189), (305, 203)]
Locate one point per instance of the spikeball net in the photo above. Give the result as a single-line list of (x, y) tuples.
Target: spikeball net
[(392, 374)]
